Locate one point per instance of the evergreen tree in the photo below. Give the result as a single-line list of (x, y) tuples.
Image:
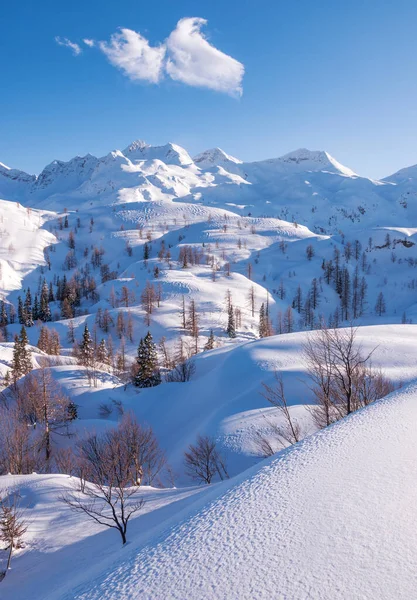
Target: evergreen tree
[(145, 252), (72, 411), (210, 342), (43, 341), (51, 297), (231, 328), (380, 307), (4, 320), (44, 310), (262, 321), (297, 303), (147, 373), (86, 350), (35, 310), (103, 353), (20, 311), (28, 318), (22, 362), (314, 294)]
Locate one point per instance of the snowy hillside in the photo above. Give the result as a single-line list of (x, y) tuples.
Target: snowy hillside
[(316, 521), (308, 509), (172, 290)]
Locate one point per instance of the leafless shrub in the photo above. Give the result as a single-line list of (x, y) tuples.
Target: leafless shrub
[(263, 445), (203, 460), (182, 372), (17, 452), (12, 526), (105, 410), (118, 405), (290, 431), (65, 461), (340, 375)]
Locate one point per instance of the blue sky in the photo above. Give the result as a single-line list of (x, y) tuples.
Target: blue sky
[(335, 76)]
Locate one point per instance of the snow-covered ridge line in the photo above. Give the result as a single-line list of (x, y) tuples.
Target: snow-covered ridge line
[(174, 154)]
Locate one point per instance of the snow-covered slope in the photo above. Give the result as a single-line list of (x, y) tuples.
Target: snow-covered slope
[(316, 521), (22, 241), (331, 518)]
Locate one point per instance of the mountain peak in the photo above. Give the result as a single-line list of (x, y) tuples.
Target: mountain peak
[(135, 146), (315, 160), (214, 156), (169, 153)]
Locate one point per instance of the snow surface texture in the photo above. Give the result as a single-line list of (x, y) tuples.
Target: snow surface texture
[(333, 517)]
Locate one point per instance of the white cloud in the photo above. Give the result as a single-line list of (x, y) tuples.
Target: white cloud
[(192, 60), (76, 50), (185, 56), (130, 52)]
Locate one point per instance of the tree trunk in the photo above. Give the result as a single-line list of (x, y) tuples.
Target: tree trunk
[(9, 558)]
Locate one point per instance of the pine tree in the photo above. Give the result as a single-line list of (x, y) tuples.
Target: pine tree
[(262, 321), (147, 373), (43, 341), (314, 294), (192, 323), (51, 297), (86, 350), (22, 362), (28, 319), (103, 353), (310, 252), (297, 303), (72, 411), (380, 307), (44, 310), (210, 342), (35, 310), (145, 252), (231, 327), (4, 320), (20, 311)]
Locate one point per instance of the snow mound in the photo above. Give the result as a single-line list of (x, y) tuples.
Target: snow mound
[(333, 517)]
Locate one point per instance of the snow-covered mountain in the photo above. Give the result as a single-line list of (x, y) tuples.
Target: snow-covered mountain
[(300, 238), (310, 187)]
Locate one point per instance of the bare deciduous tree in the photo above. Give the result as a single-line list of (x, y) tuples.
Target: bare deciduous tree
[(43, 405), (290, 431), (181, 372), (12, 526), (17, 453), (203, 461), (340, 376), (115, 464)]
